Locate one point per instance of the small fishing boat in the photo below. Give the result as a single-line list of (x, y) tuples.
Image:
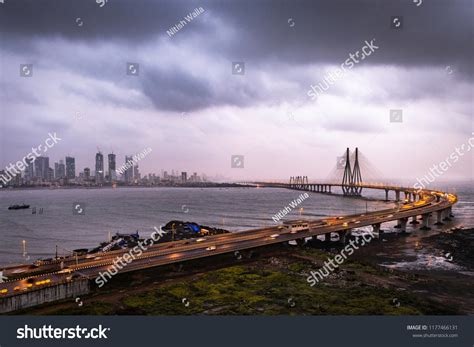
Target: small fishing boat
[(18, 207)]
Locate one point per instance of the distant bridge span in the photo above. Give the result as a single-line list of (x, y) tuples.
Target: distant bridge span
[(416, 202)]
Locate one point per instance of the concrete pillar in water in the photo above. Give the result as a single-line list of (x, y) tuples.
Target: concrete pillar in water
[(403, 224), (425, 222), (414, 221), (439, 218), (376, 228)]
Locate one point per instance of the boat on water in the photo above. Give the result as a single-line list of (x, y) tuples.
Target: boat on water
[(18, 207)]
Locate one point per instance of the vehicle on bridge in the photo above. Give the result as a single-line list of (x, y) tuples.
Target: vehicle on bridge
[(295, 226)]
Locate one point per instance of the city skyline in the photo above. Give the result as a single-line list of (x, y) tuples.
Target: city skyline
[(41, 170)]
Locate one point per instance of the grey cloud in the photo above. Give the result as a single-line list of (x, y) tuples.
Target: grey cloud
[(436, 33)]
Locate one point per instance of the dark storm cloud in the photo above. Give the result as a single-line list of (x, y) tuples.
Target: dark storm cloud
[(176, 90), (438, 32), (102, 96), (12, 93)]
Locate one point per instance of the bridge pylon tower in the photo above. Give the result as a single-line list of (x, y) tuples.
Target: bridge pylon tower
[(352, 178), (356, 175)]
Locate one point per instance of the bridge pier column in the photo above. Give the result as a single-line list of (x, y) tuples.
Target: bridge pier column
[(439, 218), (300, 242), (330, 190), (397, 195), (376, 228), (327, 237), (403, 224), (425, 222), (447, 216), (414, 221), (386, 194), (344, 236)]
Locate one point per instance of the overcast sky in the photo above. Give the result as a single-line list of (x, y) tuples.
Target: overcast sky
[(188, 107)]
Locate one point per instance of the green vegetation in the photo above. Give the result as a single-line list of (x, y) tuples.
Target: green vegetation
[(240, 291), (267, 286)]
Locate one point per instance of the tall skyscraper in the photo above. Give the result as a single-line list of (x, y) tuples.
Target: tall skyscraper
[(41, 168), (70, 168), (128, 173), (29, 170), (87, 173), (99, 168), (59, 170), (112, 167), (184, 177), (50, 174), (136, 173)]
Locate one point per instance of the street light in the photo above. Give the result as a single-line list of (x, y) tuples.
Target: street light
[(24, 247)]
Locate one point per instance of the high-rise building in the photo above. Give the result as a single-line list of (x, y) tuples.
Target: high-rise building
[(99, 168), (128, 173), (112, 167), (136, 173), (70, 168), (41, 168), (194, 177), (87, 173), (59, 170), (29, 169), (50, 174), (184, 177)]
